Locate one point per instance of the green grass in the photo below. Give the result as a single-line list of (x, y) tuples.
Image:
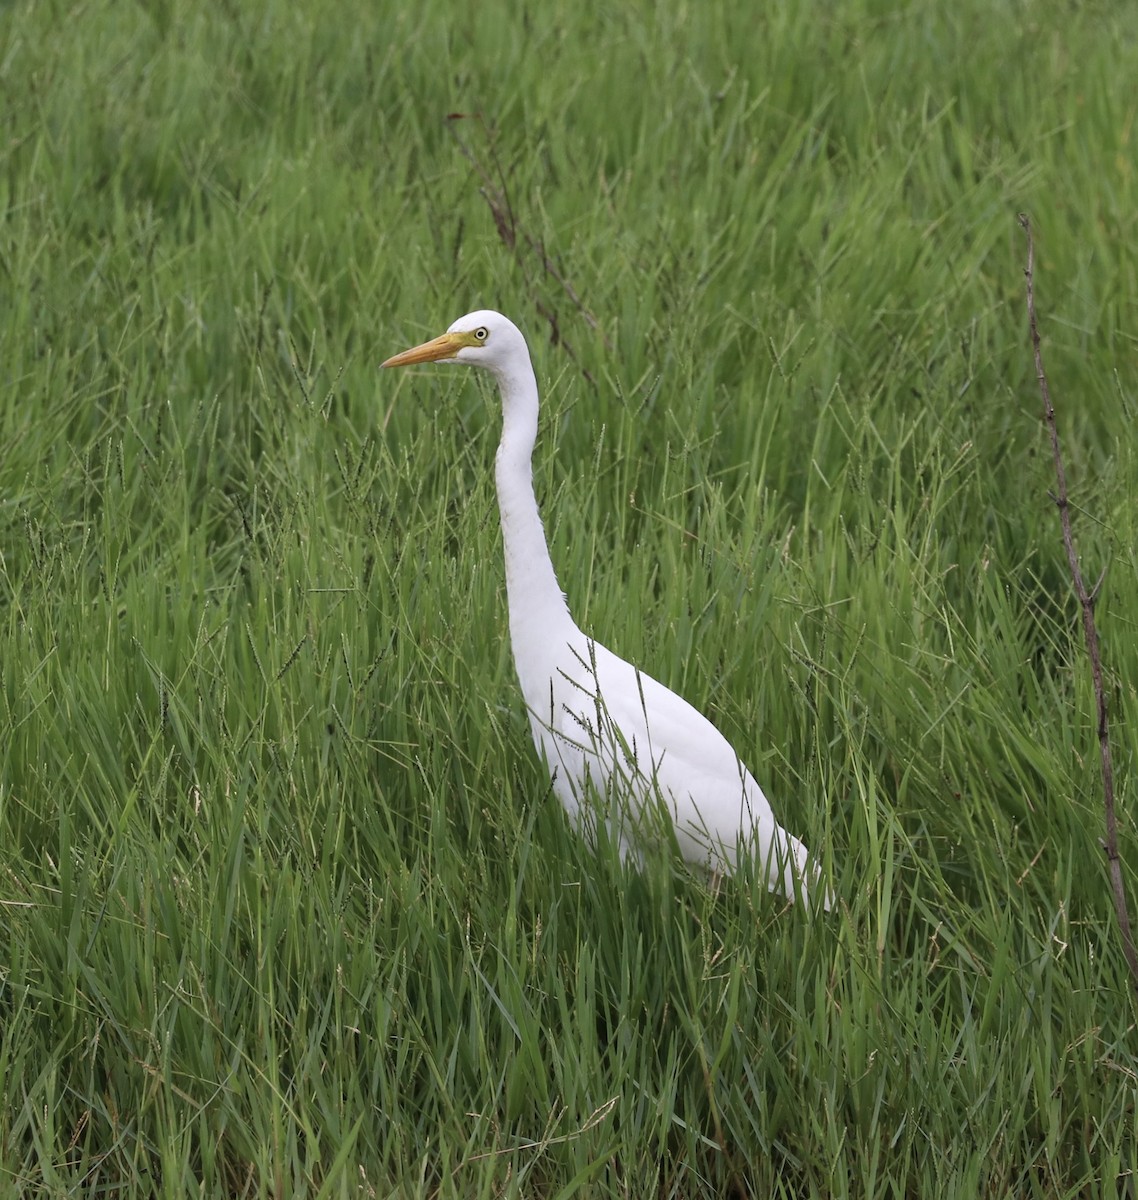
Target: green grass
[(286, 907)]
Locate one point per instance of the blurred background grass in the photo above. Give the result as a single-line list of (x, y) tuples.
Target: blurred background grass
[(287, 907)]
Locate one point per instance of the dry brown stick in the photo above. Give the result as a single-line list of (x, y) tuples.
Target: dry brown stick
[(1090, 630), (498, 198), (496, 194)]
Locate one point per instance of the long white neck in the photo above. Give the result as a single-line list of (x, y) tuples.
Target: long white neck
[(539, 616)]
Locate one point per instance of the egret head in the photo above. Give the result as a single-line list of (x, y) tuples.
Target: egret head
[(481, 339)]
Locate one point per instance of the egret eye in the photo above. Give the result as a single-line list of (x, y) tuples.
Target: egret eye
[(482, 333)]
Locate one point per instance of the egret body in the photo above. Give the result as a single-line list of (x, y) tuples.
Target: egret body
[(621, 747)]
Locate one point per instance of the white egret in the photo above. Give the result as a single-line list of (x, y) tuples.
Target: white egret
[(621, 748)]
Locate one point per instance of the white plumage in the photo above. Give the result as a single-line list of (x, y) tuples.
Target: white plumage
[(621, 747)]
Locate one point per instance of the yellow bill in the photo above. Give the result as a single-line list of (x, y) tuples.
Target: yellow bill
[(445, 346)]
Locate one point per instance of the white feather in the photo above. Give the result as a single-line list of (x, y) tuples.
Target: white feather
[(621, 747)]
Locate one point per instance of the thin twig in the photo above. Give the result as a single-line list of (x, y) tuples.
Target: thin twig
[(1090, 631), (495, 191), (498, 197)]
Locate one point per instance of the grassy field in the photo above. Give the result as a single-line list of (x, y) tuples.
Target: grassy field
[(286, 907)]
